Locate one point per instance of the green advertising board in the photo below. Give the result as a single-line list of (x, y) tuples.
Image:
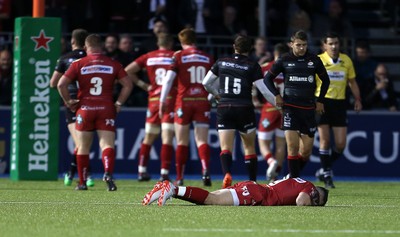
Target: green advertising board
[(35, 107)]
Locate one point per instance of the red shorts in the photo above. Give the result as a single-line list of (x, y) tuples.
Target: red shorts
[(95, 115), (270, 119), (152, 112), (248, 193), (188, 110)]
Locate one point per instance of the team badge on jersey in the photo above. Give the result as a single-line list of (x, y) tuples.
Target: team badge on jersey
[(79, 119), (265, 123), (179, 112)]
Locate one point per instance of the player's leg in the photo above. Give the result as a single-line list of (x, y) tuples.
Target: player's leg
[(167, 136), (280, 149), (107, 144), (293, 140), (73, 165), (248, 140), (226, 141), (340, 134), (324, 153), (85, 139), (182, 133), (264, 143), (201, 138), (152, 133), (191, 194)]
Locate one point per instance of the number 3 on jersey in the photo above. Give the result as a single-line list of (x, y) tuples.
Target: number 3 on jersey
[(234, 84), (96, 89)]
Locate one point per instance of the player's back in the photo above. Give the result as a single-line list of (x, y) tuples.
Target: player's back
[(63, 64), (96, 74), (237, 74), (285, 192), (156, 63), (191, 65)]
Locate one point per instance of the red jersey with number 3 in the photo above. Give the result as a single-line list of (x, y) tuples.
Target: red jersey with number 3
[(191, 66), (96, 74), (156, 63)]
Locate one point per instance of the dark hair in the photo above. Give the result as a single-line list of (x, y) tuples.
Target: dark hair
[(325, 193), (115, 36), (281, 48), (363, 44), (301, 35), (242, 43), (161, 19), (79, 36), (330, 34), (164, 39)]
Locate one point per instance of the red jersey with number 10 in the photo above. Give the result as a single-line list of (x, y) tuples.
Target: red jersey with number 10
[(96, 74), (191, 66)]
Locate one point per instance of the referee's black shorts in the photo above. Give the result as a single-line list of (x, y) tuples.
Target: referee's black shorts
[(335, 113)]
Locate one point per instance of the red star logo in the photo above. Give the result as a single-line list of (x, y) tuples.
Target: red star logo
[(42, 41)]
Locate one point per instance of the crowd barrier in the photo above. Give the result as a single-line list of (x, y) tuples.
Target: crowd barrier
[(372, 147)]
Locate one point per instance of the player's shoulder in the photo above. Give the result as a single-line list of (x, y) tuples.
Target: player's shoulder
[(345, 58), (177, 53)]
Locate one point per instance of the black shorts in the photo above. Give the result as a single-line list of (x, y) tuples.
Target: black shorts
[(70, 116), (335, 113), (241, 118), (302, 120)]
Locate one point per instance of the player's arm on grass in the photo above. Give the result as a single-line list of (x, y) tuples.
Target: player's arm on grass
[(303, 199)]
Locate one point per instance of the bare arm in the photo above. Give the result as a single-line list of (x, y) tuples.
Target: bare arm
[(55, 78), (62, 87), (356, 93), (125, 92), (303, 199), (209, 83), (168, 80), (132, 69)]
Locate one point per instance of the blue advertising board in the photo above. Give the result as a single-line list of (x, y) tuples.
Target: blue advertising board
[(372, 147)]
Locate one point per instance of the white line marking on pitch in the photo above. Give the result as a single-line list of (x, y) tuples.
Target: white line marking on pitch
[(286, 231)]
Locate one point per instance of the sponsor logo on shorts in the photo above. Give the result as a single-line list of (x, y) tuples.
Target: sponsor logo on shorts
[(287, 120), (110, 122), (85, 107)]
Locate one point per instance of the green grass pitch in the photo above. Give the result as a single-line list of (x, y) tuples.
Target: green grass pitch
[(29, 208)]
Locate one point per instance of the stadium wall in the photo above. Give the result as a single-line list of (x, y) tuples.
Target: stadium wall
[(372, 146)]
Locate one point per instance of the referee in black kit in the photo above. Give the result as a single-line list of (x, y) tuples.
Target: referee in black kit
[(235, 109), (298, 103)]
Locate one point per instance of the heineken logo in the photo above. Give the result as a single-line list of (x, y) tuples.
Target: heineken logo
[(40, 104), (42, 41)]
